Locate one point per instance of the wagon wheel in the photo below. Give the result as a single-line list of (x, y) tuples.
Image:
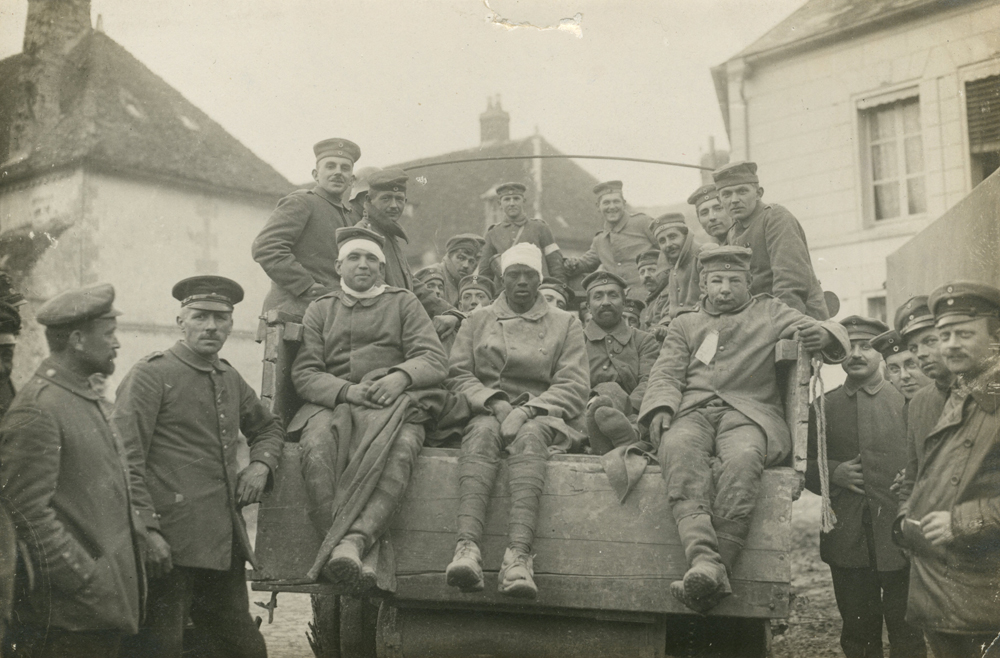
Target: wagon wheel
[(343, 627)]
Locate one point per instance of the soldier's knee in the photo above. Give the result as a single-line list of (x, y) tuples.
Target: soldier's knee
[(530, 440), (482, 437)]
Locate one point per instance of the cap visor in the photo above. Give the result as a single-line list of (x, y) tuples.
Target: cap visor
[(210, 306)]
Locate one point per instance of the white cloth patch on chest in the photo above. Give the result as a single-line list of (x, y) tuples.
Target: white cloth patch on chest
[(706, 352)]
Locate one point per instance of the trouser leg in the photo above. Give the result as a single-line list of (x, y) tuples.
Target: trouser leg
[(167, 605), (319, 469), (741, 447), (528, 453), (859, 599), (905, 640), (49, 642), (220, 608), (477, 467)]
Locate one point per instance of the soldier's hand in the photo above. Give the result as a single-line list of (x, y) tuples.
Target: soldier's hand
[(660, 332), (158, 562), (659, 425), (848, 475), (445, 325), (250, 483), (936, 527), (515, 419), (385, 390), (897, 482), (358, 394), (501, 409), (814, 338), (570, 265)]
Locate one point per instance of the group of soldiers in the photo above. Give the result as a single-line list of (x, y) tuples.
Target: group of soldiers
[(128, 516)]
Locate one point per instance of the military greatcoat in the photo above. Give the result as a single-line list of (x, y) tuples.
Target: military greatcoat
[(922, 414), (181, 416), (625, 355), (684, 287), (64, 478), (615, 247)]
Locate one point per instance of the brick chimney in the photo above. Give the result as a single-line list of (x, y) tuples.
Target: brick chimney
[(494, 123), (53, 29)]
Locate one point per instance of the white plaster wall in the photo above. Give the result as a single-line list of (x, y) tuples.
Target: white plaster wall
[(803, 133)]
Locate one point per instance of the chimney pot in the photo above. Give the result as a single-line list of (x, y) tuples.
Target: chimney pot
[(494, 123)]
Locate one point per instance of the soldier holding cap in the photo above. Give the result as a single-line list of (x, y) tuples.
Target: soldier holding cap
[(522, 365), (900, 364), (64, 479), (711, 215), (516, 228), (951, 521), (475, 292), (781, 263), (714, 391), (866, 439), (297, 243), (615, 247), (680, 248), (181, 412), (620, 358)]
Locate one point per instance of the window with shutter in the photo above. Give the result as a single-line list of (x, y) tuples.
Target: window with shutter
[(983, 112)]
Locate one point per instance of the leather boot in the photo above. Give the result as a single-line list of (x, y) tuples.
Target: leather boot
[(516, 577), (705, 582), (599, 442), (732, 538), (343, 569), (615, 425), (466, 569)]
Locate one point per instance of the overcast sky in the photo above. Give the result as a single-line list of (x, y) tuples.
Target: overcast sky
[(407, 79)]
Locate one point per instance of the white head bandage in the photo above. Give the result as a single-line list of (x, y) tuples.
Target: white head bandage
[(360, 244), (523, 253)]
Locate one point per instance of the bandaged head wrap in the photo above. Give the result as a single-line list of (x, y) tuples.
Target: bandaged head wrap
[(362, 245), (523, 253)]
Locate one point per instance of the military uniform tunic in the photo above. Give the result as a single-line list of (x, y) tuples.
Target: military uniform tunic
[(501, 237), (624, 356), (615, 248), (181, 416), (922, 415), (298, 247), (684, 287), (780, 263), (64, 478)]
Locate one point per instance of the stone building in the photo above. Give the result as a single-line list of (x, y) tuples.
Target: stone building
[(145, 188), (869, 119)]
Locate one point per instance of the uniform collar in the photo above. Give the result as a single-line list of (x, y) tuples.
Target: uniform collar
[(620, 226), (507, 221), (393, 229), (871, 386), (687, 252), (985, 390), (351, 301), (662, 280), (196, 361), (505, 312), (705, 307), (53, 371), (621, 333), (320, 192), (757, 212)]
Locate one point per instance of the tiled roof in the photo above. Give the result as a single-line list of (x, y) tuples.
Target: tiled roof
[(119, 116), (448, 199)]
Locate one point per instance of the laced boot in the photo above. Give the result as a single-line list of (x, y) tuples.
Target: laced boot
[(516, 578), (466, 569)]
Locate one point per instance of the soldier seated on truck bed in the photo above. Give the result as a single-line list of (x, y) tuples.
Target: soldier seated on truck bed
[(522, 364), (363, 345), (714, 392)]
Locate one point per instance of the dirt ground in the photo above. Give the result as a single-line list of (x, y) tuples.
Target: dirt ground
[(813, 628)]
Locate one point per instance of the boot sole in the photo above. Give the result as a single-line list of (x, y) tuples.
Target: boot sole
[(465, 578), (343, 573), (520, 589), (700, 586)]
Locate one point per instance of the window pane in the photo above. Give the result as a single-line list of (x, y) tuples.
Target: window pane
[(911, 117), (887, 201), (914, 147), (916, 203), (884, 162), (876, 308), (883, 124)]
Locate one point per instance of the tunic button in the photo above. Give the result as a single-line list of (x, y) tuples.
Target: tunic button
[(50, 373), (605, 366), (222, 415), (722, 348), (954, 479), (968, 443)]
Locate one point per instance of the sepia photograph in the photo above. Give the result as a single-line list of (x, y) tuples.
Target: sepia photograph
[(499, 328)]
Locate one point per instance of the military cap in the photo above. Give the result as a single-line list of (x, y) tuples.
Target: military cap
[(339, 147), (651, 257), (963, 301), (889, 343), (79, 305), (10, 324), (511, 188), (634, 306), (862, 328), (668, 220), (601, 278), (702, 194), (470, 241), (559, 287), (913, 316), (610, 186), (429, 273), (726, 257), (388, 180), (735, 173), (483, 283), (348, 233), (208, 293)]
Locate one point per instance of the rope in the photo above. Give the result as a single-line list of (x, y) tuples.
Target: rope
[(817, 399), (560, 156)]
